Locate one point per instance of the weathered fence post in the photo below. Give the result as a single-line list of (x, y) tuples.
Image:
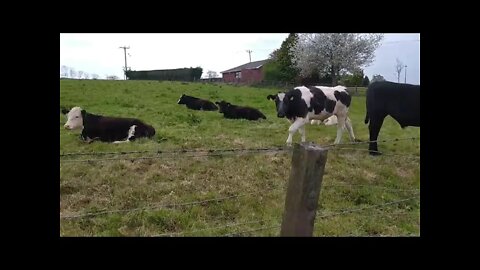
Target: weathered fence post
[(308, 165)]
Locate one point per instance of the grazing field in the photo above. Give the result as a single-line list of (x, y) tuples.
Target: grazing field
[(185, 194)]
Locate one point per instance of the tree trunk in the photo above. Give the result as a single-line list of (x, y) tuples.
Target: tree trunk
[(334, 76)]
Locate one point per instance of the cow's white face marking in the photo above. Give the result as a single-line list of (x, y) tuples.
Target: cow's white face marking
[(74, 119)]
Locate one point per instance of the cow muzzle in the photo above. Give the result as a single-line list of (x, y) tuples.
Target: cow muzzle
[(280, 115)]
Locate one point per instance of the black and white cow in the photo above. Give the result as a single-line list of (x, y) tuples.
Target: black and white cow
[(105, 128), (400, 101), (302, 104), (239, 112), (197, 103)]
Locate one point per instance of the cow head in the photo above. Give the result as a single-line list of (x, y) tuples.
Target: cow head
[(74, 118), (283, 101), (222, 106), (181, 100)]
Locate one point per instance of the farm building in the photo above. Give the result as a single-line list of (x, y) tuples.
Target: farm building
[(246, 73)]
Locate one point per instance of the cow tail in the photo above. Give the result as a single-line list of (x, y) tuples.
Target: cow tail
[(366, 118)]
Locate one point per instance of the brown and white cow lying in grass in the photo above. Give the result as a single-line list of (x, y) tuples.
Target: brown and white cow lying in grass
[(106, 128)]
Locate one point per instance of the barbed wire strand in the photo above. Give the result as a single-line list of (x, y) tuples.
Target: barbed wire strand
[(370, 186), (386, 154), (176, 156), (365, 142), (174, 151), (172, 205), (181, 151)]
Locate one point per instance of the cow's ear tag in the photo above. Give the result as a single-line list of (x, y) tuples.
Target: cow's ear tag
[(291, 98)]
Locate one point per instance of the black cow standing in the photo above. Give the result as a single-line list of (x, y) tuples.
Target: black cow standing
[(105, 128), (400, 101), (238, 112), (197, 103)]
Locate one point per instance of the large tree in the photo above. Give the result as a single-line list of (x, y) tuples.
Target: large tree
[(280, 67), (332, 53)]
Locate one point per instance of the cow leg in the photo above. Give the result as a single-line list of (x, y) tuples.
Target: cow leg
[(374, 128), (341, 119), (348, 125), (301, 130), (299, 122)]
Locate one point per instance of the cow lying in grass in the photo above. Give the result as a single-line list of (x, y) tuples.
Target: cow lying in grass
[(197, 103), (239, 112), (105, 128)]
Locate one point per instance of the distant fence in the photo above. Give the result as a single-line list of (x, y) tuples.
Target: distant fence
[(302, 193)]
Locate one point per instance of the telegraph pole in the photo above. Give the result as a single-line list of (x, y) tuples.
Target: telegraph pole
[(405, 73), (125, 52), (249, 56)]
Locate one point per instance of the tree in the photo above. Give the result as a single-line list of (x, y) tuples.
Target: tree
[(64, 71), (280, 66), (86, 75), (334, 52), (365, 81), (377, 78), (73, 73), (211, 74), (95, 76), (80, 74), (398, 69)]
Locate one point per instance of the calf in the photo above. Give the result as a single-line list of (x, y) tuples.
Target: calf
[(331, 121), (197, 103), (400, 101), (239, 112), (302, 104), (104, 128)]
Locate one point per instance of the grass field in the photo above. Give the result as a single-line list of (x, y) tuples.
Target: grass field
[(160, 189)]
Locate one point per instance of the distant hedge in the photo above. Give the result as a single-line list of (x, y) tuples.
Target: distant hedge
[(179, 74)]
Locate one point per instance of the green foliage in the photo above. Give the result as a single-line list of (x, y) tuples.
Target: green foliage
[(280, 68), (355, 79)]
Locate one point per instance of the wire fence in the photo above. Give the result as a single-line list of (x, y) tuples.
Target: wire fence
[(266, 223), (159, 154)]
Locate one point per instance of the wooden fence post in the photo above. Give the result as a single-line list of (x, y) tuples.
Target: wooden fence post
[(308, 165)]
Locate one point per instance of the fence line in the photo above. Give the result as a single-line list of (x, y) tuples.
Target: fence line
[(212, 152), (365, 185), (386, 154), (161, 206)]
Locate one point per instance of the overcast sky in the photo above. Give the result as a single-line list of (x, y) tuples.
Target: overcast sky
[(100, 53)]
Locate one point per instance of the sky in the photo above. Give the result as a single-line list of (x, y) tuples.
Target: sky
[(101, 53)]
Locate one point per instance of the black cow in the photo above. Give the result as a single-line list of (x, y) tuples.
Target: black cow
[(197, 103), (303, 104), (239, 112), (104, 128), (400, 101)]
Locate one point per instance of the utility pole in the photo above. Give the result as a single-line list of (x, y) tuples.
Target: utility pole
[(125, 52), (249, 56), (405, 73)]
